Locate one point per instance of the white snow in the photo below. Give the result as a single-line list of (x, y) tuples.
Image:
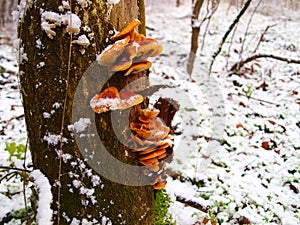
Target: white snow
[(51, 20), (113, 1), (44, 211), (82, 40), (54, 139), (84, 3), (80, 125)]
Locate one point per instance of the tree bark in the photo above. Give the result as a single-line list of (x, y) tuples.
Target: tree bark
[(197, 4), (51, 71)]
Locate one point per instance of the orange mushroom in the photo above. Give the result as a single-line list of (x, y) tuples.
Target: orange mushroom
[(149, 162), (130, 51), (107, 100), (127, 31), (110, 54), (138, 67), (126, 59), (111, 99), (149, 112), (152, 155), (129, 99), (137, 37), (154, 168), (144, 119), (160, 185), (149, 47)]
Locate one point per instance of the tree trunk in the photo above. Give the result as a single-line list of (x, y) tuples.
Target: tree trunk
[(197, 4), (53, 73), (6, 9)]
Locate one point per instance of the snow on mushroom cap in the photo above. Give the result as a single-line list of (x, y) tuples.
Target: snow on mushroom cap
[(111, 99), (107, 100), (110, 54)]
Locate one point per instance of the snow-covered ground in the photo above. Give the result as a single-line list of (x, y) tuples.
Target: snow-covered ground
[(237, 136)]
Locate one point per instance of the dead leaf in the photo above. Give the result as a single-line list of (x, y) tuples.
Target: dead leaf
[(205, 220), (239, 125), (265, 145), (272, 122)]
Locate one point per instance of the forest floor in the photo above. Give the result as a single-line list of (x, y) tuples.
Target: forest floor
[(237, 134)]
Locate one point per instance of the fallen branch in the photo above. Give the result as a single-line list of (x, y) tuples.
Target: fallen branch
[(237, 66), (193, 204)]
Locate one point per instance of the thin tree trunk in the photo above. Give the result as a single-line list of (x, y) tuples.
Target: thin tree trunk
[(197, 4), (52, 70)]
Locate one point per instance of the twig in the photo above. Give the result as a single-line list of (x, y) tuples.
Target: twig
[(257, 99), (14, 168), (230, 45), (232, 25), (193, 204), (63, 122), (262, 36), (25, 181), (240, 64), (214, 9), (247, 28)]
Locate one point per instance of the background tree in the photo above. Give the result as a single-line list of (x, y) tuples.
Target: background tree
[(54, 55), (6, 9)]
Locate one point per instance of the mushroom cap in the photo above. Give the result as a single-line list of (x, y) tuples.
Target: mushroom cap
[(111, 99), (162, 156), (128, 30), (129, 98), (138, 67), (145, 144), (143, 133), (160, 185), (154, 168), (137, 36), (107, 100), (152, 155), (110, 54), (144, 119), (148, 150), (124, 61), (149, 47), (149, 112), (149, 162)]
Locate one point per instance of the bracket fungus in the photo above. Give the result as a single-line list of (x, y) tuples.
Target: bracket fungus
[(150, 139), (111, 99), (129, 51)]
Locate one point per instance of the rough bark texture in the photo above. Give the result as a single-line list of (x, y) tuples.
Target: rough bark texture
[(44, 86)]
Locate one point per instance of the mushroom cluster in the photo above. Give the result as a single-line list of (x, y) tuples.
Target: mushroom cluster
[(150, 137), (151, 141), (112, 99), (129, 51)]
